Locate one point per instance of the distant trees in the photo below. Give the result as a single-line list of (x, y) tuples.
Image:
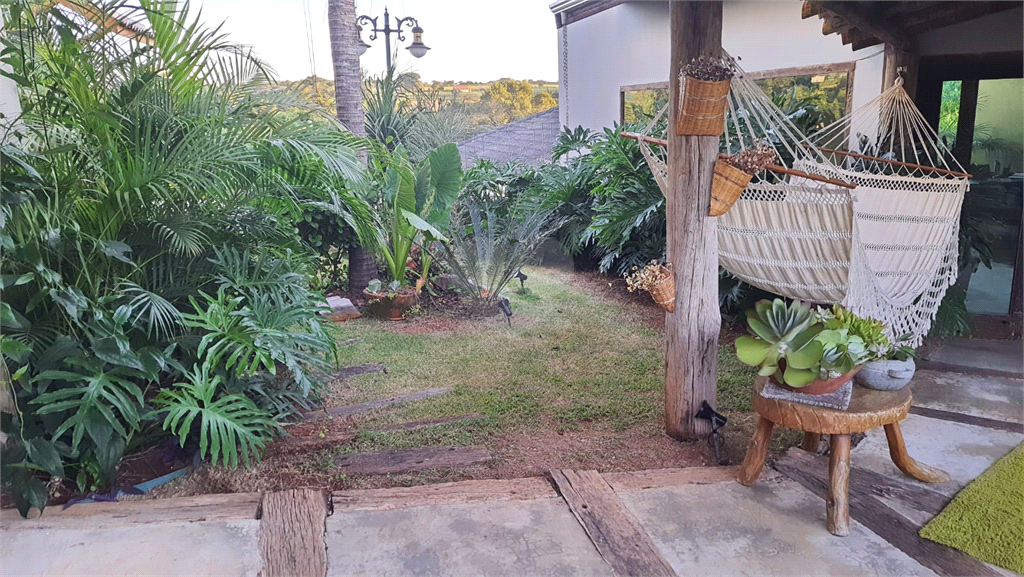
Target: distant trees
[(514, 99), (480, 105)]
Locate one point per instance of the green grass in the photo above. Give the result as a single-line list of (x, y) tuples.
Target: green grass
[(571, 360)]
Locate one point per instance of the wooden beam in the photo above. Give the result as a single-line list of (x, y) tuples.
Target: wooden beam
[(408, 460), (292, 528), (657, 478), (943, 14), (808, 70), (691, 332), (526, 489), (101, 515), (865, 42), (808, 10), (872, 24), (616, 534), (834, 26), (347, 410), (965, 124), (896, 63)]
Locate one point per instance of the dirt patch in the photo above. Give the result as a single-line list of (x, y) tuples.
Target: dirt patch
[(535, 453), (531, 454)]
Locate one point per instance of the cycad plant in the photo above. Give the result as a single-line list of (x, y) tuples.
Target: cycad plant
[(145, 173), (488, 249)]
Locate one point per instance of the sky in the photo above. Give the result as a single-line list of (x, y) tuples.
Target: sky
[(468, 39)]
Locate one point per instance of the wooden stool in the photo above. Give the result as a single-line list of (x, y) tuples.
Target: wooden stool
[(868, 409)]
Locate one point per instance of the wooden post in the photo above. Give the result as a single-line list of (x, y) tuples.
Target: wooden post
[(964, 144), (691, 332), (896, 60)]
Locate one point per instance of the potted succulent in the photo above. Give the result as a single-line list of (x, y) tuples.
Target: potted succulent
[(891, 364), (656, 279), (417, 204), (792, 347), (733, 173), (705, 92)]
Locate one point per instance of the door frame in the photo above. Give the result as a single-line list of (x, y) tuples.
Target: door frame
[(970, 68)]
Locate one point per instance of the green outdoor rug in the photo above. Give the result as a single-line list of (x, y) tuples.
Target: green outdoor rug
[(986, 519)]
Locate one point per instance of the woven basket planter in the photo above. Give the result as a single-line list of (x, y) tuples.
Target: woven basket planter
[(664, 293), (702, 107), (727, 184)]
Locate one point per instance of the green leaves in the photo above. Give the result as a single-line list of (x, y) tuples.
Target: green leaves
[(782, 332), (227, 424), (96, 393), (810, 350), (445, 164)]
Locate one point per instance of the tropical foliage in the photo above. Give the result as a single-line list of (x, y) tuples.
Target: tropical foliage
[(153, 272), (413, 204)]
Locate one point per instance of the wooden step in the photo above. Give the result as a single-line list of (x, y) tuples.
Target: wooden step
[(408, 460)]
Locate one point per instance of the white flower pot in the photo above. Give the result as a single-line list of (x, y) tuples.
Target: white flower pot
[(886, 375)]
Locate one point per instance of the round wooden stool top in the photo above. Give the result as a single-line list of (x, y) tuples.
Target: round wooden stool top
[(868, 409)]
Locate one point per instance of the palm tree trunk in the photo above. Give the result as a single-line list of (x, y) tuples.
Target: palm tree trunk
[(348, 98)]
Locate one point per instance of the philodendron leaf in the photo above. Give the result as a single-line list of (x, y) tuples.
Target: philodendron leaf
[(805, 358), (751, 351), (43, 455), (795, 377)]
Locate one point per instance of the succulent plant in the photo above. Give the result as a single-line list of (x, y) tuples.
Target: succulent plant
[(870, 331), (783, 333)]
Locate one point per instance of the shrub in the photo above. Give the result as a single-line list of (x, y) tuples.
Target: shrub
[(134, 185)]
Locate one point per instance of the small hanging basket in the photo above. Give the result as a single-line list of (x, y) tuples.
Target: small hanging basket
[(702, 106), (664, 292), (727, 184)]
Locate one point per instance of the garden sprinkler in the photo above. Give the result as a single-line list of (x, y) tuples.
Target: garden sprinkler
[(503, 305), (522, 279), (718, 421)]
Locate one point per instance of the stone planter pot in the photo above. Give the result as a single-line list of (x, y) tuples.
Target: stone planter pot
[(886, 375), (392, 306)]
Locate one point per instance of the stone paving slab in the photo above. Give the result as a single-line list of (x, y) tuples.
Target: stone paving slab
[(983, 354), (964, 451), (187, 549), (1000, 398), (775, 527), (535, 537)]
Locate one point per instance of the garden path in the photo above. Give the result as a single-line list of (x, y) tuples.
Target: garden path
[(695, 520)]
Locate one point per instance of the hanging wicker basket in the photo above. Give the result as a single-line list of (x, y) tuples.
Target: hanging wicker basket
[(702, 106), (727, 184), (664, 293)]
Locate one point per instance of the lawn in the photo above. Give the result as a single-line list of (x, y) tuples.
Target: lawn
[(575, 382)]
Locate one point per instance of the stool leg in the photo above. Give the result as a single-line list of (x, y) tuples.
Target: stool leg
[(756, 452), (906, 463), (837, 503), (811, 442)]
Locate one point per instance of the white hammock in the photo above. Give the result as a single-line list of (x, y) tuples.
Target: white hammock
[(887, 249)]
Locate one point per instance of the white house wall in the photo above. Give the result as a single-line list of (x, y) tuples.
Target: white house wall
[(629, 44)]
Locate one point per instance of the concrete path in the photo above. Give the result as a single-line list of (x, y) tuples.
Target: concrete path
[(981, 354)]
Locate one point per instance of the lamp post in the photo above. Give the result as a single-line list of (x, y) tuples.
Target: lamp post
[(417, 48)]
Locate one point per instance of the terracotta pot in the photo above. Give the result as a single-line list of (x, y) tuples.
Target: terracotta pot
[(392, 306), (818, 387)]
